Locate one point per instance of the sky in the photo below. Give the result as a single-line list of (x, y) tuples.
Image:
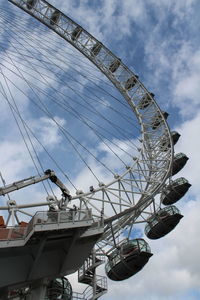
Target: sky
[(159, 40)]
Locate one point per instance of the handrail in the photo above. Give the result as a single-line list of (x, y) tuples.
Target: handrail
[(44, 218), (87, 294)]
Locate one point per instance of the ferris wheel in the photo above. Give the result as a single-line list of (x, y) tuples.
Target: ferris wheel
[(99, 144)]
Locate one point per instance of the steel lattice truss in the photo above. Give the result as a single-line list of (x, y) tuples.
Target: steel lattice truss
[(131, 192)]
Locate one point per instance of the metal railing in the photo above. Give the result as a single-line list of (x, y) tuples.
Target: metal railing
[(44, 218), (87, 294), (90, 263), (51, 217), (13, 233)]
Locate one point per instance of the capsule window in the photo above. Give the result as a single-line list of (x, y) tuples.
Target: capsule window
[(114, 65), (55, 17), (179, 162), (175, 136), (126, 261), (31, 4), (131, 82), (76, 33), (158, 118), (96, 49), (175, 191), (162, 222), (165, 141), (145, 101)]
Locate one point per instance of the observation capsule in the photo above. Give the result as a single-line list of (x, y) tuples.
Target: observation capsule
[(31, 4), (175, 191), (96, 49), (165, 143), (145, 101), (175, 136), (114, 65), (131, 82), (179, 162), (76, 33), (59, 288), (162, 222), (129, 259), (157, 119), (55, 17)]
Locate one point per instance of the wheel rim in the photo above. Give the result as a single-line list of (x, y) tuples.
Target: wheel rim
[(151, 168)]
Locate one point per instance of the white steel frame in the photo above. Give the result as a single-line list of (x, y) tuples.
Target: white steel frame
[(134, 190)]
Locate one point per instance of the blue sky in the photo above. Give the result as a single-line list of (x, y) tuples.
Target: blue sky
[(159, 41)]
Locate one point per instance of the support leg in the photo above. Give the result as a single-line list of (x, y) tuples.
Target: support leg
[(38, 291)]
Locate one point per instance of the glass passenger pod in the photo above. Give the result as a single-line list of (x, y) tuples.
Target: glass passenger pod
[(131, 82), (145, 101), (114, 65), (179, 162), (162, 222), (55, 17), (165, 142), (31, 4), (59, 288), (175, 191), (175, 136), (96, 49), (76, 33), (157, 119), (129, 259)]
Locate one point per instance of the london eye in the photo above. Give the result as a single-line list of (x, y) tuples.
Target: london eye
[(92, 159)]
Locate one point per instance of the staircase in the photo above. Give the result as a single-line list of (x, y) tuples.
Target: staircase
[(87, 275)]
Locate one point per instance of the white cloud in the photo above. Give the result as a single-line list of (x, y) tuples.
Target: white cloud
[(187, 80), (189, 143), (47, 131), (173, 269), (106, 18), (172, 55)]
